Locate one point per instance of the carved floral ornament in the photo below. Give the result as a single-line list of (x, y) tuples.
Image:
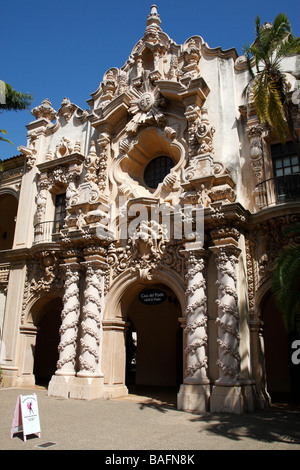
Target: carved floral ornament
[(255, 134)]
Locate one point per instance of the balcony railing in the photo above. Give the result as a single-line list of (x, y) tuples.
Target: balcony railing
[(278, 190), (43, 232)]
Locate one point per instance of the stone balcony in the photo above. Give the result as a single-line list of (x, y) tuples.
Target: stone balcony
[(278, 190), (43, 232)]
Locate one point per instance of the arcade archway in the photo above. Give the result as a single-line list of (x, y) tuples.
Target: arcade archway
[(156, 330), (8, 213), (47, 339), (154, 341), (281, 376)]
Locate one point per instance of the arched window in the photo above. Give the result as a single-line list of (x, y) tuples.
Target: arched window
[(156, 170)]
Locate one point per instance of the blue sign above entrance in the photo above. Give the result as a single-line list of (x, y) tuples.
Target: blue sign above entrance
[(152, 296)]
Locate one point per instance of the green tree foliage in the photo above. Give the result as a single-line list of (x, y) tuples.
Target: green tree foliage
[(3, 131), (15, 100), (286, 282), (268, 87)]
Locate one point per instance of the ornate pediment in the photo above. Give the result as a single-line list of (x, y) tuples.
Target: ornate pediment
[(139, 90)]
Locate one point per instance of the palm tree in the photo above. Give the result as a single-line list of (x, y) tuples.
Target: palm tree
[(13, 100), (3, 131), (286, 282), (268, 87)]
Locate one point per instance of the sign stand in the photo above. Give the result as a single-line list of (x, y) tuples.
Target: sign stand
[(26, 417)]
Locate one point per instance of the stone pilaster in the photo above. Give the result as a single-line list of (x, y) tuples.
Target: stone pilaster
[(194, 393)]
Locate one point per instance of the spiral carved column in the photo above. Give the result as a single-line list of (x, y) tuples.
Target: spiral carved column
[(91, 324), (228, 315), (196, 320), (70, 318), (229, 393), (194, 392)]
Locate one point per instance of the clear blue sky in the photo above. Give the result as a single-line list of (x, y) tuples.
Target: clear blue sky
[(61, 48)]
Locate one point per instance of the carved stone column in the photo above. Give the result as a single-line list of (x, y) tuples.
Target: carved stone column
[(60, 383), (195, 391), (90, 380), (91, 324), (228, 315), (230, 393), (70, 318)]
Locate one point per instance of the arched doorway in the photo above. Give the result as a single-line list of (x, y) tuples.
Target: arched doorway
[(122, 311), (47, 340), (8, 213), (279, 368), (154, 342)]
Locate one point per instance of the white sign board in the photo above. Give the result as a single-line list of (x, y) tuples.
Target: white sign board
[(26, 416)]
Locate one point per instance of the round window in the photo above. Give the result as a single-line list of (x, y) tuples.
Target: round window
[(156, 171)]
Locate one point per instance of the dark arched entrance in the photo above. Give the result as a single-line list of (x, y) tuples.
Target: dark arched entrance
[(8, 213), (47, 340), (154, 342), (281, 373)]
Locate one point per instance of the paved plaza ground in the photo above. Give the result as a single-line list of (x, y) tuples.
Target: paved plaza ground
[(145, 423)]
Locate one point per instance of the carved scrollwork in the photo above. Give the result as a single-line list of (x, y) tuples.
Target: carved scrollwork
[(43, 275), (145, 253)]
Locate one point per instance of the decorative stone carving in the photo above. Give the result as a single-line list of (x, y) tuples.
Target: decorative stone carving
[(145, 107), (91, 164), (44, 111), (148, 244), (144, 256), (70, 320), (192, 57), (30, 154), (204, 134), (153, 26), (41, 201), (196, 319), (103, 142), (63, 148), (199, 130), (256, 152), (174, 72), (42, 276), (91, 324), (228, 315), (109, 86), (209, 180), (67, 109)]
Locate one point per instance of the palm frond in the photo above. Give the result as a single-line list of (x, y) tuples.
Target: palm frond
[(276, 116), (260, 96), (286, 285), (3, 131)]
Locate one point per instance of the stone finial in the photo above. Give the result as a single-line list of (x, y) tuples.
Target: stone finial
[(154, 18), (45, 111), (153, 26)]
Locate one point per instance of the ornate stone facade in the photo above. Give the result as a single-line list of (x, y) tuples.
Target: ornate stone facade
[(153, 188)]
